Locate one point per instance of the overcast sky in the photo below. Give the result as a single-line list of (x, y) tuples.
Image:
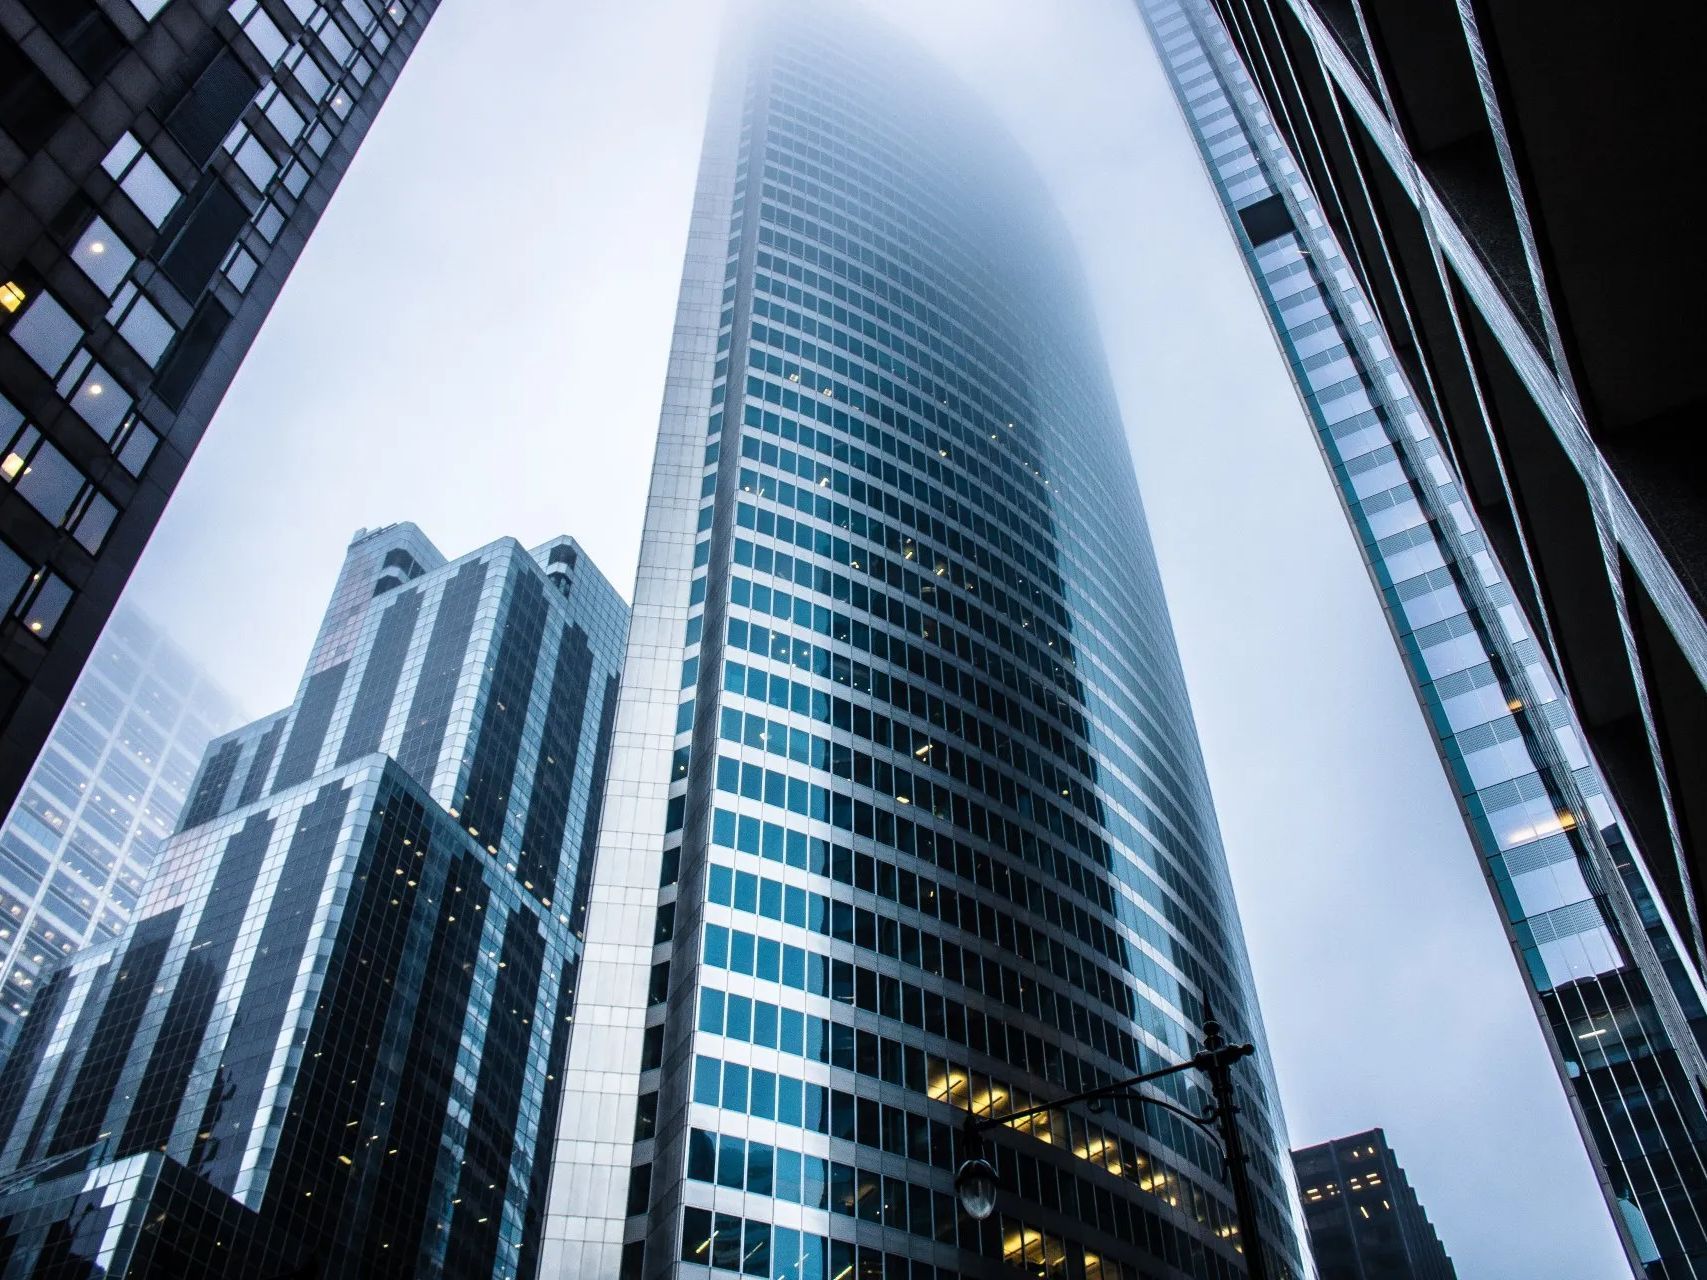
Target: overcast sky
[(475, 341)]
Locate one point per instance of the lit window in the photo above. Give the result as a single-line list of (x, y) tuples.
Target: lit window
[(104, 257), (11, 296)]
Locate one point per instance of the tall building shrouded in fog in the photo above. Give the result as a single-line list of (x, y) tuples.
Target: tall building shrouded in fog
[(906, 812), (1612, 978), (77, 848), (162, 164), (330, 1042)]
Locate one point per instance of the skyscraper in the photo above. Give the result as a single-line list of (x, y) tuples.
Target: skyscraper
[(1501, 176), (1365, 1220), (78, 847), (906, 813), (162, 163), (330, 1043), (1612, 982)]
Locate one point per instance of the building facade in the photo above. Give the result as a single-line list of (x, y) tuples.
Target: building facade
[(107, 790), (1501, 175), (162, 163), (1365, 1220), (330, 1043), (906, 813), (1611, 976)]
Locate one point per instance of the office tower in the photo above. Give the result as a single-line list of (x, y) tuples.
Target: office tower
[(1365, 1220), (330, 1042), (106, 792), (1615, 990), (162, 163), (1500, 176), (906, 813)]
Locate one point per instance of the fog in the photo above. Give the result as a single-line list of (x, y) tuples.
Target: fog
[(475, 340)]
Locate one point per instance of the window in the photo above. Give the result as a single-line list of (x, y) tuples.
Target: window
[(240, 268), (284, 117), (133, 444), (42, 474), (140, 323), (103, 256), (50, 482), (47, 333), (142, 179), (97, 397), (262, 31), (254, 159), (45, 599)]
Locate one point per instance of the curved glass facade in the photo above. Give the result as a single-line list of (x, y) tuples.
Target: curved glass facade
[(905, 791)]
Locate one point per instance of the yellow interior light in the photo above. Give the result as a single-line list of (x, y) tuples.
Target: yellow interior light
[(11, 295)]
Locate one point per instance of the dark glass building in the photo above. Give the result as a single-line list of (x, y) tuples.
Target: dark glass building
[(1610, 971), (1502, 177), (105, 793), (906, 813), (1365, 1221), (330, 1043), (162, 163)]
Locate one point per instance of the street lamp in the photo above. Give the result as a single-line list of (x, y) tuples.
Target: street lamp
[(975, 1181)]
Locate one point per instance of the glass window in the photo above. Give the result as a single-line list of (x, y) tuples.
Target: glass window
[(136, 447), (43, 475), (147, 331), (47, 333), (285, 118), (99, 399), (104, 257), (47, 606), (256, 162), (149, 188), (240, 268)]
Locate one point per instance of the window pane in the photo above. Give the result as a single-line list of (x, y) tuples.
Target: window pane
[(47, 333), (48, 607), (147, 330), (105, 258), (99, 401), (49, 481), (151, 190)]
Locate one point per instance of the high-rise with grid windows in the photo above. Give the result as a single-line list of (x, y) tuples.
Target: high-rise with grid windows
[(906, 812), (162, 164), (1601, 949), (106, 792), (329, 1043)]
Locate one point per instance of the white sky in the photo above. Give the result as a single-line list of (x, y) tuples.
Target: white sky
[(475, 341)]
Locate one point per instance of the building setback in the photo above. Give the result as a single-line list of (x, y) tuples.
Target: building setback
[(162, 163), (1503, 178), (906, 813), (1365, 1220), (104, 795), (1611, 980), (331, 1041)]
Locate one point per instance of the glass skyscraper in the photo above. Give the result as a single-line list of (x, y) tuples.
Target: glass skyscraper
[(78, 846), (1610, 980), (162, 164), (906, 813), (1503, 174), (330, 1042)]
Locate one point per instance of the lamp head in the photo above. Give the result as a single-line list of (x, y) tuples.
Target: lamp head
[(975, 1184)]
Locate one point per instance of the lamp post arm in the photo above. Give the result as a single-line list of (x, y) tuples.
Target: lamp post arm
[(976, 1124)]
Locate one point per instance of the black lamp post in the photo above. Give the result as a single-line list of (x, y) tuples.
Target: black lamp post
[(975, 1182)]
